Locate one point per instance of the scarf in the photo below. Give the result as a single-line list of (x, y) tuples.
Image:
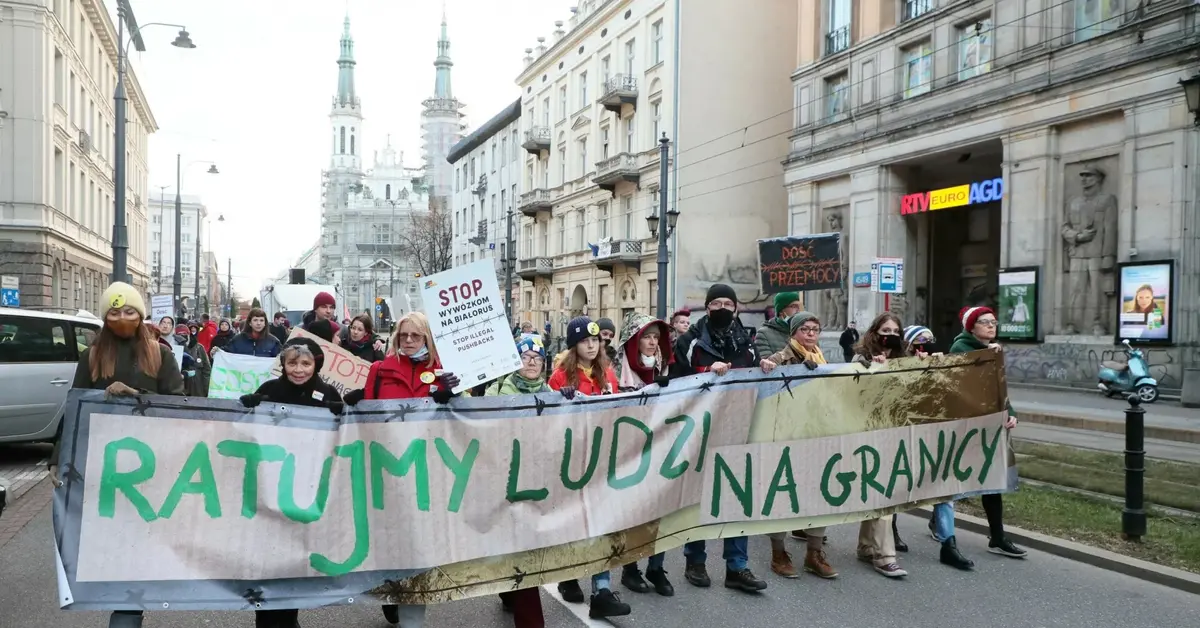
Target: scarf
[(804, 354), (515, 384)]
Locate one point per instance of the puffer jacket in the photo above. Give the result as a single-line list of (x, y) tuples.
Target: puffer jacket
[(696, 351), (398, 377), (772, 336), (265, 346), (514, 384)]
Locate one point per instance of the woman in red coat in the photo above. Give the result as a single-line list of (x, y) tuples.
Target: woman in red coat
[(411, 370)]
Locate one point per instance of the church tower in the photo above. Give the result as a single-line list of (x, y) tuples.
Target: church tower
[(346, 116), (441, 126), (345, 172)]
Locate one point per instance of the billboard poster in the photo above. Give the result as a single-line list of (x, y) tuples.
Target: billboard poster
[(1145, 303), (1017, 304)]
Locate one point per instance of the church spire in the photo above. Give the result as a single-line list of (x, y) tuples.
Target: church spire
[(345, 94), (441, 88)]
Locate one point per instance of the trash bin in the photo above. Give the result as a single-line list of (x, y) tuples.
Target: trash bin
[(1190, 396)]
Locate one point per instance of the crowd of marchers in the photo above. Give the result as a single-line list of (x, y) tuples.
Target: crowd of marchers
[(132, 356)]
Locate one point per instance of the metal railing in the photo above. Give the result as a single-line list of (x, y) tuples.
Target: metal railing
[(915, 8), (837, 40), (543, 265), (538, 135), (620, 83), (617, 248)]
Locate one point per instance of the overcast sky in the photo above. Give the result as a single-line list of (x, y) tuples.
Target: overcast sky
[(254, 97)]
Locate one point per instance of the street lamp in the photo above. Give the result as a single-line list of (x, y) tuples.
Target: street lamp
[(212, 169), (120, 234), (654, 219), (1191, 91)]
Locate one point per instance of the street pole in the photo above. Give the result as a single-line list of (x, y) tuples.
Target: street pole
[(1133, 517), (178, 236), (162, 236), (229, 285), (199, 241), (664, 148), (120, 234), (510, 258)]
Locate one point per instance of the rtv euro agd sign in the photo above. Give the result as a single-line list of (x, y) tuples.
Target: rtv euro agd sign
[(988, 191)]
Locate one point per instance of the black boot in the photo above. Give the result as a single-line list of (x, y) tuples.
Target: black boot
[(607, 604), (662, 586), (951, 556), (631, 578), (744, 580), (901, 546), (391, 612), (570, 591), (697, 575)]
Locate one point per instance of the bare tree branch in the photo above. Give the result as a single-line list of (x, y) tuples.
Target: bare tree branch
[(429, 240)]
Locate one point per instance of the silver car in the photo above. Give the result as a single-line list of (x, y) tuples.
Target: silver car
[(38, 354)]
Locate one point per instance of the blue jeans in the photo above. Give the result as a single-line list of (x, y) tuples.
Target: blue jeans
[(735, 553), (943, 521), (654, 563), (602, 580)]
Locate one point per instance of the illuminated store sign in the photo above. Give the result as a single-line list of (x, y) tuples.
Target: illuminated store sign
[(957, 196)]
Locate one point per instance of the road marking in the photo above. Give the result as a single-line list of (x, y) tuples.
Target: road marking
[(580, 611)]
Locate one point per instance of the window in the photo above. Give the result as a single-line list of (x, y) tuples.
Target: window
[(657, 113), (580, 227), (562, 164), (387, 192), (493, 155), (916, 8), (503, 148), (583, 83), (546, 111), (562, 102), (837, 36), (529, 178), (583, 157), (471, 175), (483, 160), (59, 78), (562, 234), (975, 49), (656, 34), (24, 340), (528, 231), (630, 56), (627, 210), (351, 143), (604, 143), (918, 69), (605, 68), (602, 210), (837, 95), (629, 132), (342, 149), (1095, 17)]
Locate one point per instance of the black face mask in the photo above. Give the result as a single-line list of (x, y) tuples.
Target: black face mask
[(892, 343), (720, 318)]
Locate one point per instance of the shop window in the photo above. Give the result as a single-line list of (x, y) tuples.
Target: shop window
[(918, 69), (975, 49), (1096, 17), (837, 95)]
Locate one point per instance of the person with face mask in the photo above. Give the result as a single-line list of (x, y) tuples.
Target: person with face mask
[(608, 334), (773, 335), (203, 365), (225, 333), (717, 342), (256, 340), (124, 360)]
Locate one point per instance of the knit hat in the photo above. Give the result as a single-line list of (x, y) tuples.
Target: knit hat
[(120, 294), (970, 314), (322, 329), (579, 328), (799, 319), (181, 329), (531, 342), (606, 323), (314, 348), (720, 291), (784, 299), (323, 298), (913, 332)]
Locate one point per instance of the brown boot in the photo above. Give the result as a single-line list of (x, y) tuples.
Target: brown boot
[(781, 563), (816, 564)]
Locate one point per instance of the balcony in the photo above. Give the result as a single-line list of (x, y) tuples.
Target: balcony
[(916, 8), (624, 252), (615, 169), (837, 40), (534, 267), (621, 89), (537, 139), (535, 201)]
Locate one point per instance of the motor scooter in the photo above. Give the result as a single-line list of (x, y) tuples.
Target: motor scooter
[(1131, 376)]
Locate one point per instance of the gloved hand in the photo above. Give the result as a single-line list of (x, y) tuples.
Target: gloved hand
[(251, 401), (567, 391), (662, 381), (810, 365), (336, 407), (448, 381), (353, 397), (442, 395)]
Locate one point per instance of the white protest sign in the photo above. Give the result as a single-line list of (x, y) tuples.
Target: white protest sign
[(178, 352), (236, 375), (160, 306), (470, 330)]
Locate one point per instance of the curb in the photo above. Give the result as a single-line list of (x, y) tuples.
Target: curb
[(1096, 557), (1170, 394), (1175, 434)]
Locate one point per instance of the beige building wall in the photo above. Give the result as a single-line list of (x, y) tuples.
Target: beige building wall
[(57, 153)]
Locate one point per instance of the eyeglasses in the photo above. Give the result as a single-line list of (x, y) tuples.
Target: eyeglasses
[(810, 330), (986, 322), (532, 360), (409, 337)]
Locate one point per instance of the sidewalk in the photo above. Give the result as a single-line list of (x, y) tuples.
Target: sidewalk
[(1164, 420), (22, 466)]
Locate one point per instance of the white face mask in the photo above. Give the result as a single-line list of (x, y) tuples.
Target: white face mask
[(648, 361)]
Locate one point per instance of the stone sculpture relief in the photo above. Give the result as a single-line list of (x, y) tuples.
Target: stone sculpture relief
[(1089, 234), (835, 302)]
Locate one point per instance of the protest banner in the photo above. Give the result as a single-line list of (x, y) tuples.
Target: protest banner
[(236, 375), (177, 351), (469, 327), (161, 305), (405, 501), (799, 263), (342, 370)]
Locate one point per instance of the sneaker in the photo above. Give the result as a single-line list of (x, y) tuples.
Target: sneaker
[(815, 563), (951, 556), (606, 603), (744, 580), (391, 613), (571, 592), (1005, 547), (631, 578), (891, 570), (781, 564), (662, 586), (697, 575)]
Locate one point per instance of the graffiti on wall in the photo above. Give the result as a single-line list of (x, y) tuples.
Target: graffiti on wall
[(1073, 363), (742, 277)]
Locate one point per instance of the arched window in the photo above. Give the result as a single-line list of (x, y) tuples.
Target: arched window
[(334, 149), (342, 150), (387, 192), (351, 143)]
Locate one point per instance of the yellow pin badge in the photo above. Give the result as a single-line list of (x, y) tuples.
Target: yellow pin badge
[(427, 377), (593, 329), (118, 302)]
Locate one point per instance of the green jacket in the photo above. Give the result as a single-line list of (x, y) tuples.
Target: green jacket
[(514, 384), (772, 337), (966, 342)]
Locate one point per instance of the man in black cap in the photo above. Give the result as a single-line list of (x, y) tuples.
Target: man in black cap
[(717, 342)]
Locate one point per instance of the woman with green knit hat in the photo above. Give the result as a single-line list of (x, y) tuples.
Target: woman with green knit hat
[(774, 334)]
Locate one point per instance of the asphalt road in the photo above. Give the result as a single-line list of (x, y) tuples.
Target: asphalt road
[(1095, 405), (1039, 592)]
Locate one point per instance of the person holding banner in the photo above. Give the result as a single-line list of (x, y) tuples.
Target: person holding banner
[(223, 336), (125, 359), (717, 342), (584, 369), (256, 340)]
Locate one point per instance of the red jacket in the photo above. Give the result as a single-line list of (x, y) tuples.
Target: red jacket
[(205, 336), (587, 385), (399, 378)]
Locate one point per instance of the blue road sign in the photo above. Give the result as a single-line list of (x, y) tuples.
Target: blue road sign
[(10, 297)]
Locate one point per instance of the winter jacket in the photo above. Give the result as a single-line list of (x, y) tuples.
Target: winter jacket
[(314, 393), (791, 354), (847, 341), (364, 350), (398, 377), (631, 375), (281, 332), (197, 386), (697, 350), (772, 336), (206, 335), (265, 346), (587, 385), (220, 340), (514, 384)]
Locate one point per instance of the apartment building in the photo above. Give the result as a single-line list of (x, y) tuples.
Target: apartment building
[(194, 226), (57, 153), (1047, 142)]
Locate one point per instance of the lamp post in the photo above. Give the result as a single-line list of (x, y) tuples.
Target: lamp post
[(667, 220), (212, 169), (1191, 91), (120, 233), (162, 206)]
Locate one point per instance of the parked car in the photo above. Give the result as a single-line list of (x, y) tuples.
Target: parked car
[(38, 353)]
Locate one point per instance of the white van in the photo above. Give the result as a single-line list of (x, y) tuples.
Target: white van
[(38, 354)]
